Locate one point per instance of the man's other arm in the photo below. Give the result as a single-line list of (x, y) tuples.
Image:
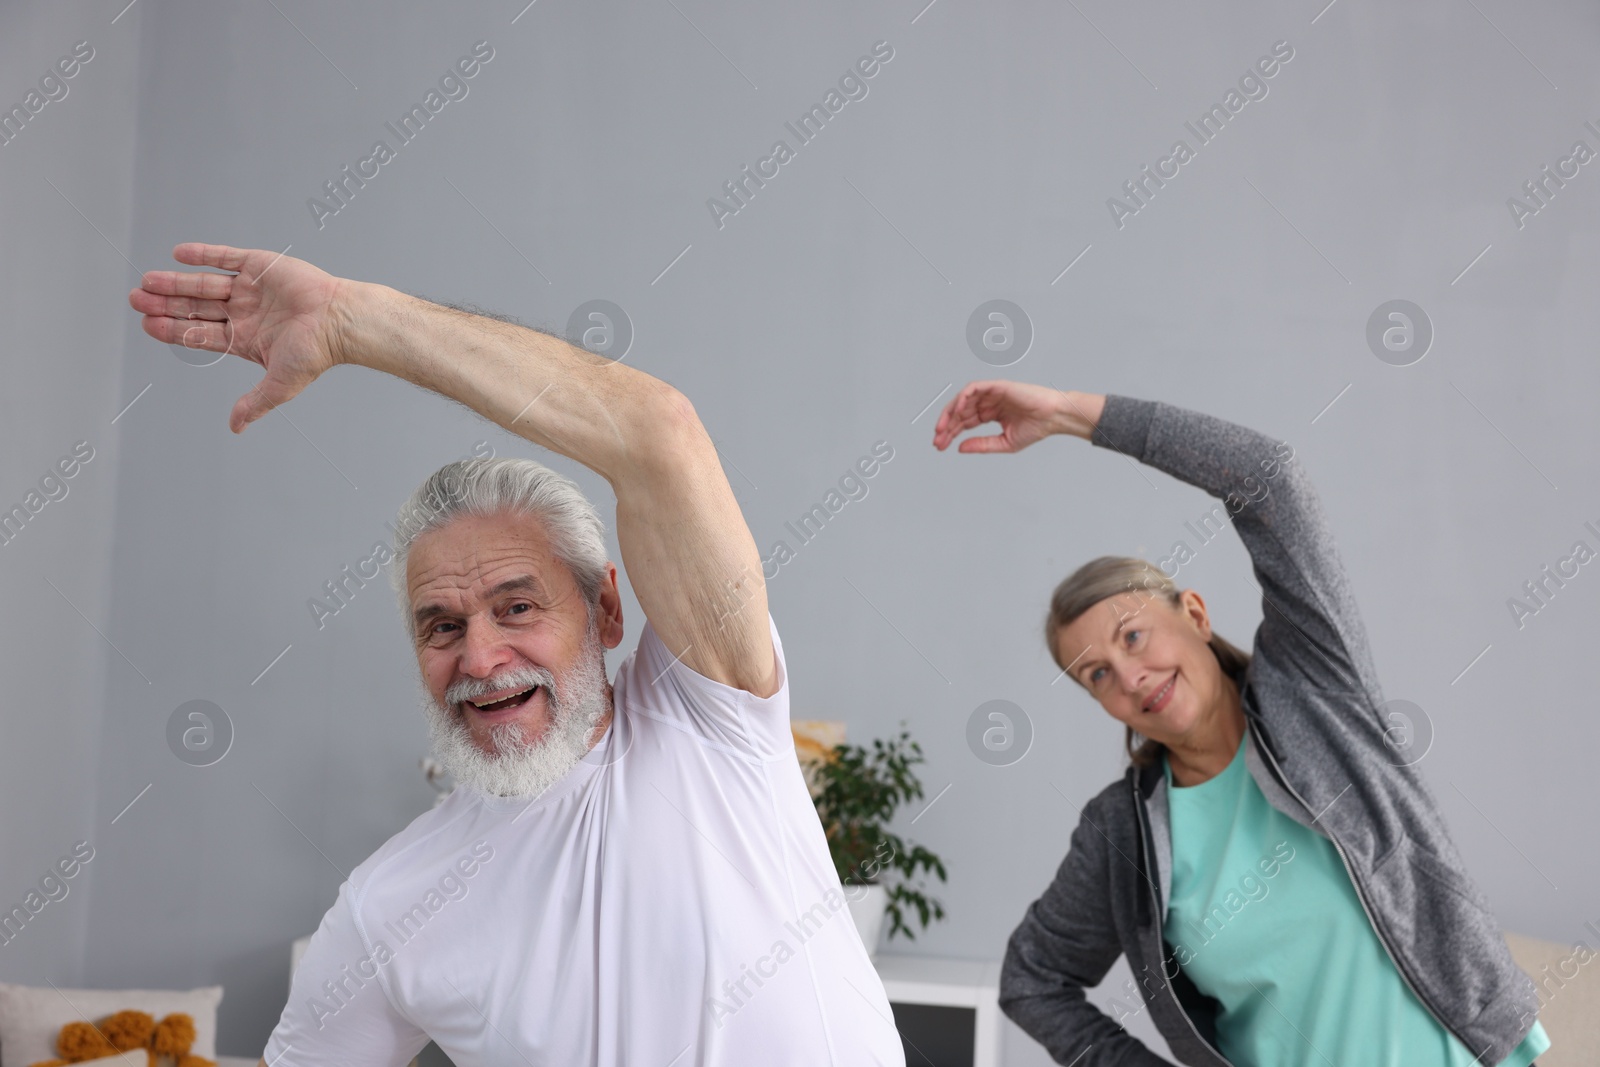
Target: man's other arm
[(685, 547)]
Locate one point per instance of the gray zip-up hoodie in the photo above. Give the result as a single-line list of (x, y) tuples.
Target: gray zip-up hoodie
[(1316, 747)]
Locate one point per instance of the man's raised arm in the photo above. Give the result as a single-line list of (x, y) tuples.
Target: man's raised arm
[(685, 545)]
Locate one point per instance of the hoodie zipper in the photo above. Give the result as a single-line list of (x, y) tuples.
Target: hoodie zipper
[(1361, 896), (1155, 920)]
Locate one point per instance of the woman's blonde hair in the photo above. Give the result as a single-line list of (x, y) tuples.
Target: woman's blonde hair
[(1109, 576)]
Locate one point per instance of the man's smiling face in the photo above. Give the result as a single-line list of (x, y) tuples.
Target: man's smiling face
[(496, 618)]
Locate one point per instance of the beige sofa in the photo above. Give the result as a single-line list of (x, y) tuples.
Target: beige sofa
[(1569, 998)]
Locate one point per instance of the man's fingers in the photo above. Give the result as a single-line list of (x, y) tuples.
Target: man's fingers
[(254, 404), (177, 307), (245, 411), (190, 333), (224, 257), (175, 283)]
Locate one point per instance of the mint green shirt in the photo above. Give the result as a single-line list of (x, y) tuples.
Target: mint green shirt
[(1263, 917)]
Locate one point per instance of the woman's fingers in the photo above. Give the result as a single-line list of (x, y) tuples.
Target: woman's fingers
[(967, 409), (1015, 406), (1026, 414), (957, 402), (973, 392), (994, 442)]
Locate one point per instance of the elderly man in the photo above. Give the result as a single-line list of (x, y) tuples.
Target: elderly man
[(629, 873)]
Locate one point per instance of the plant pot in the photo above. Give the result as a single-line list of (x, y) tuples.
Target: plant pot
[(867, 907)]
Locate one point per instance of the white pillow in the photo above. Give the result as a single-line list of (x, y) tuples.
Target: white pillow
[(31, 1017)]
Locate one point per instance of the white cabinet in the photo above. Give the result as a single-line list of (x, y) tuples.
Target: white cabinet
[(946, 983)]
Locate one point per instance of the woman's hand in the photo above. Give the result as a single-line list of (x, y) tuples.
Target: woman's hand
[(1026, 413), (275, 310)]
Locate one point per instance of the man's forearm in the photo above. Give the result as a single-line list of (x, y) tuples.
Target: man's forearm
[(606, 415)]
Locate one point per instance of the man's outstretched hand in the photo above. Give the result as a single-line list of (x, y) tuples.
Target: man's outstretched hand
[(275, 310)]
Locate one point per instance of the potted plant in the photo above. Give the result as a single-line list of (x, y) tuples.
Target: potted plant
[(856, 792)]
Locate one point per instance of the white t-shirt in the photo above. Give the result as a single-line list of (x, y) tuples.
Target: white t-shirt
[(669, 903)]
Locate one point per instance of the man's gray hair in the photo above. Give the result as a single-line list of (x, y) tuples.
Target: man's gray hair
[(521, 486)]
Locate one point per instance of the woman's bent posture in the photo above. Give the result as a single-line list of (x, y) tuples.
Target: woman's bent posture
[(1271, 864)]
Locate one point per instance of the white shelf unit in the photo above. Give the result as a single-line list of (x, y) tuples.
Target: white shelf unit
[(938, 982)]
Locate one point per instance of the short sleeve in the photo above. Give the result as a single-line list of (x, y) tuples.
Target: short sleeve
[(339, 1014), (661, 685)]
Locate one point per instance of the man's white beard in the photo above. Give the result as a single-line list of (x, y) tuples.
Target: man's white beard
[(516, 767)]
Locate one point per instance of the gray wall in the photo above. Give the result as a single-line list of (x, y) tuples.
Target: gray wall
[(64, 174), (822, 317)]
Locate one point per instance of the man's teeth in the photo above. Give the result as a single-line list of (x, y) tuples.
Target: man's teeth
[(502, 700)]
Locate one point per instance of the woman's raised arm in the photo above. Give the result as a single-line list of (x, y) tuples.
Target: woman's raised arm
[(1311, 625)]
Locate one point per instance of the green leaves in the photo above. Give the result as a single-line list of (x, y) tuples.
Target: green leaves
[(859, 792)]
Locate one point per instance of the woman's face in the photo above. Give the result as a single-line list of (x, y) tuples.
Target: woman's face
[(1147, 663)]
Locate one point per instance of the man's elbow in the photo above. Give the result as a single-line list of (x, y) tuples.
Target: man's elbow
[(676, 412), (668, 434)]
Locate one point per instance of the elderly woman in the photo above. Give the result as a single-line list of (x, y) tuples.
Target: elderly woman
[(1271, 864)]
